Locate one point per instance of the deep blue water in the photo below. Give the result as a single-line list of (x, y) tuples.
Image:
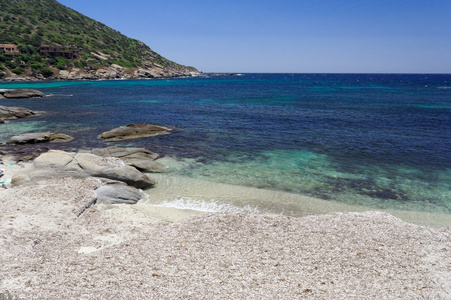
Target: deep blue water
[(373, 139)]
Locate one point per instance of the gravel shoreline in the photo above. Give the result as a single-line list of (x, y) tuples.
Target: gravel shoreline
[(142, 252)]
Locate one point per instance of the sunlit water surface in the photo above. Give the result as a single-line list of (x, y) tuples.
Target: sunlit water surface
[(368, 140)]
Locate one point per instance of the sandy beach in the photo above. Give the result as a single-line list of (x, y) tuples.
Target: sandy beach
[(146, 252)]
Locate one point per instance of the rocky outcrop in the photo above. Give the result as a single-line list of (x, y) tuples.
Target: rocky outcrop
[(140, 158), (72, 74), (134, 131), (21, 93), (117, 72), (11, 112), (142, 73), (104, 73), (81, 165), (39, 137), (107, 73)]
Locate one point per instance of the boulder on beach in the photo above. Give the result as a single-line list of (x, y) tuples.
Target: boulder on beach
[(117, 193), (39, 137), (11, 112), (134, 131), (81, 165), (140, 158), (21, 93)]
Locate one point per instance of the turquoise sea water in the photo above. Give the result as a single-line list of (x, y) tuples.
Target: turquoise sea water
[(380, 141)]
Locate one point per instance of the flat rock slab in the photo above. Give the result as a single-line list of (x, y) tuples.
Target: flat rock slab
[(12, 112), (146, 165), (125, 152), (140, 158), (39, 137), (21, 93), (134, 131)]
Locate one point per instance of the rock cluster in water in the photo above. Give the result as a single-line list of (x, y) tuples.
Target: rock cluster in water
[(11, 112), (132, 131), (119, 170)]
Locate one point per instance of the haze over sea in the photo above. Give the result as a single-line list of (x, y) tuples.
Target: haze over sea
[(381, 141)]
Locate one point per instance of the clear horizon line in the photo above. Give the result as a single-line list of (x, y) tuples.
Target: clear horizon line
[(357, 73)]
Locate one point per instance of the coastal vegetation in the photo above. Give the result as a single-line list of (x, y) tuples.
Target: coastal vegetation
[(31, 24)]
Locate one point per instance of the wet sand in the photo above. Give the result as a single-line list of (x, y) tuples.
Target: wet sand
[(188, 193)]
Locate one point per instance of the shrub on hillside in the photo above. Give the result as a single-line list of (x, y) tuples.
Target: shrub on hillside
[(18, 70), (46, 71)]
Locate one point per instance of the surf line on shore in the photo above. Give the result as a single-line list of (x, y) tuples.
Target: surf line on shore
[(182, 192)]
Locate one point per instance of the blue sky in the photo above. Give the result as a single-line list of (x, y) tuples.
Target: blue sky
[(292, 36)]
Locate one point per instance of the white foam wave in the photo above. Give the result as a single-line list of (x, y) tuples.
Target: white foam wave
[(144, 196), (201, 205), (444, 87), (59, 95)]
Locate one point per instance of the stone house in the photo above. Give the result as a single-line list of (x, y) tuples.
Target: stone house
[(9, 49), (56, 51)]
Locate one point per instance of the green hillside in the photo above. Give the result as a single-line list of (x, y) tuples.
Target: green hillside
[(32, 23)]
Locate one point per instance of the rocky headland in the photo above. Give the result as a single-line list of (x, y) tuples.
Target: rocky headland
[(105, 73), (118, 72), (56, 42)]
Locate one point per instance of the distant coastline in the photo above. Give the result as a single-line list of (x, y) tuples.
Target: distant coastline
[(108, 73)]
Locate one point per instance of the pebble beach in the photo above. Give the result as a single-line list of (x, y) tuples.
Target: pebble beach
[(146, 252)]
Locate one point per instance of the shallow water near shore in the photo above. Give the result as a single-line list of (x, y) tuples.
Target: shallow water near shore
[(358, 140), (198, 195)]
